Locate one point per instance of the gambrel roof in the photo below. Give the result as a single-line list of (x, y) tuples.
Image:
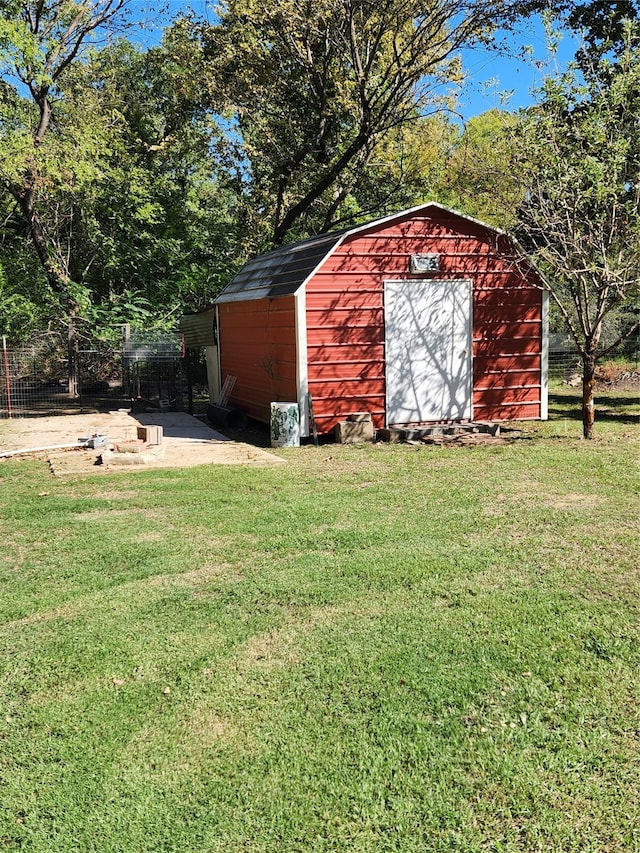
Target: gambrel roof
[(283, 271)]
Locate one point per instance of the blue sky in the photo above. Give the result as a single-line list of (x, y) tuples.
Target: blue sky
[(509, 81)]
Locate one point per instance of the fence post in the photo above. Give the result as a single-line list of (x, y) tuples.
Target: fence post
[(126, 362), (73, 355), (5, 355)]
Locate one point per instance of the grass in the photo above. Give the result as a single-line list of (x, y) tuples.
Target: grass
[(387, 648)]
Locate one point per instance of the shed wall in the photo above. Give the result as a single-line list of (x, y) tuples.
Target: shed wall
[(258, 347), (345, 319), (199, 329)]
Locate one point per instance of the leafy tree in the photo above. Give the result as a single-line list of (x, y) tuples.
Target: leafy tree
[(581, 218), (601, 22), (407, 167), (39, 42), (477, 177), (17, 310), (159, 220), (315, 90), (111, 175)]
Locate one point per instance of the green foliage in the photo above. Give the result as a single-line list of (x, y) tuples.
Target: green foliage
[(581, 217), (317, 92), (109, 163), (27, 306), (600, 22), (17, 312), (476, 177), (159, 213), (119, 196)]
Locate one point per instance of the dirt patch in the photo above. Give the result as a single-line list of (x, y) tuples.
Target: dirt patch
[(466, 440), (255, 433), (627, 384), (576, 501), (624, 386), (529, 492), (186, 442)]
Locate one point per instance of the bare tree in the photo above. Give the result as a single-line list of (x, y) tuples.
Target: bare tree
[(581, 218)]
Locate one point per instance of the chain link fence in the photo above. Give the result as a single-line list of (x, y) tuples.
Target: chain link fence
[(144, 373)]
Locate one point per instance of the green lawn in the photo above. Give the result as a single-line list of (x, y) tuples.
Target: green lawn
[(386, 648)]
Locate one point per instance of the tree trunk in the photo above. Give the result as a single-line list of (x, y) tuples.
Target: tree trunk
[(322, 183), (588, 405)]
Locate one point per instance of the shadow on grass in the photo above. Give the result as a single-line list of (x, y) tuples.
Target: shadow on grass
[(609, 407)]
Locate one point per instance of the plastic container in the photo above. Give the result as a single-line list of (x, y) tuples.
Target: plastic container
[(285, 425)]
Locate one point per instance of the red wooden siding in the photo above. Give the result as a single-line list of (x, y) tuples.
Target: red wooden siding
[(345, 347), (507, 347), (345, 319), (258, 347)]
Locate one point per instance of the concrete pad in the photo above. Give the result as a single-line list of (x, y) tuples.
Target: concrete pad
[(180, 425), (187, 441)]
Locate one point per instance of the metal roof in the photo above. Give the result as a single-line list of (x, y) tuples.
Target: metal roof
[(283, 271)]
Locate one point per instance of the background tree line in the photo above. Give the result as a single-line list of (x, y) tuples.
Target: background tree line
[(136, 180)]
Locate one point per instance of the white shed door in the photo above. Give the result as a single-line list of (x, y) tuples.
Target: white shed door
[(428, 350)]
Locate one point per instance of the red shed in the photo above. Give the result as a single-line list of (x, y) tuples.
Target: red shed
[(421, 317)]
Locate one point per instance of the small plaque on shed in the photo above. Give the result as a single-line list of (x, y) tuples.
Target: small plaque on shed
[(424, 263)]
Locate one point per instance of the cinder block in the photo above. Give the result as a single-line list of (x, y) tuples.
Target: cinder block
[(150, 434), (129, 446), (488, 427), (348, 432), (392, 436)]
